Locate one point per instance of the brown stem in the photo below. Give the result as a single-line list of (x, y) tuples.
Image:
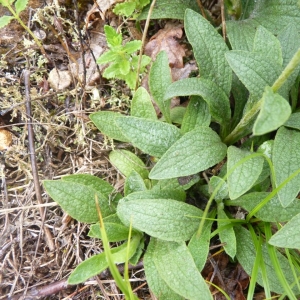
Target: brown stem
[(48, 235)]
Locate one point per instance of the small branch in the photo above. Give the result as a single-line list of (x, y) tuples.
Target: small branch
[(201, 8), (48, 235), (143, 42)]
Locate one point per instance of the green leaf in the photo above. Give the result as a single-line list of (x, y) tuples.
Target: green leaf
[(177, 113), (209, 49), (159, 80), (126, 162), (222, 192), (177, 268), (157, 285), (216, 99), (132, 46), (243, 176), (241, 35), (227, 235), (116, 232), (126, 8), (97, 263), (288, 235), (199, 246), (270, 212), (246, 254), (169, 189), (196, 151), (94, 182), (196, 114), (152, 137), (276, 14), (274, 112), (289, 39), (105, 121), (174, 9), (20, 5), (113, 38), (165, 219), (286, 160), (134, 183), (4, 20), (254, 70), (78, 200), (293, 121), (141, 105), (124, 66), (268, 45)]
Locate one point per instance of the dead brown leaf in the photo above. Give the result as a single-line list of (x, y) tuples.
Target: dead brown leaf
[(167, 39)]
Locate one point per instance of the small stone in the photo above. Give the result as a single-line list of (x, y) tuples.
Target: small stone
[(59, 80), (5, 139)]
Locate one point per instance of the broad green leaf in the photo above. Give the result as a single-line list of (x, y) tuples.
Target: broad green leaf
[(132, 46), (199, 246), (109, 56), (177, 268), (272, 211), (254, 70), (187, 181), (78, 200), (126, 8), (243, 176), (152, 137), (157, 285), (97, 263), (141, 105), (288, 235), (20, 5), (246, 254), (293, 121), (169, 189), (289, 39), (126, 162), (274, 112), (94, 182), (113, 38), (240, 35), (174, 9), (134, 183), (196, 114), (226, 235), (105, 121), (176, 114), (221, 186), (165, 219), (268, 45), (216, 99), (4, 20), (115, 232), (209, 49), (196, 151), (276, 14), (124, 66), (159, 80), (160, 193), (286, 160)]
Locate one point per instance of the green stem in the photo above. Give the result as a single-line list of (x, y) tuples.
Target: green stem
[(28, 30), (239, 130)]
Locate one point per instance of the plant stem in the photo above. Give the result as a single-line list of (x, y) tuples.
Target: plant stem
[(239, 130), (28, 30)]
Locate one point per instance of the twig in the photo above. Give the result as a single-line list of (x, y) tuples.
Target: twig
[(143, 42), (223, 20), (201, 8), (48, 235)]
